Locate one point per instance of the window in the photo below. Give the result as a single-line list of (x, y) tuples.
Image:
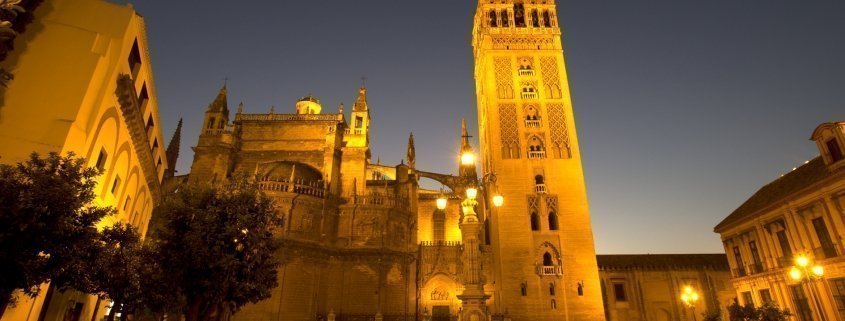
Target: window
[(784, 244), (619, 291), (740, 267), (755, 255), (135, 59), (359, 122), (115, 185), (766, 296), (834, 150), (523, 288), (553, 221), (210, 123), (554, 304), (519, 15), (536, 150), (101, 160), (581, 288), (493, 18), (552, 289), (547, 19), (535, 18), (802, 306), (143, 97), (487, 232), (547, 260), (438, 219), (837, 288), (150, 123), (505, 18), (155, 146), (535, 222), (824, 237), (126, 203), (747, 300)]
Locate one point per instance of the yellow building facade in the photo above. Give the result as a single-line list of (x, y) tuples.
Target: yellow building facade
[(83, 84), (650, 286), (528, 138), (799, 214)]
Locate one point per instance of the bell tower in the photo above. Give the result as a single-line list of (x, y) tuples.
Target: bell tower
[(544, 255)]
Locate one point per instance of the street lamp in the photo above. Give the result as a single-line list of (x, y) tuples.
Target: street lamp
[(467, 158), (441, 203), (689, 296), (805, 272)]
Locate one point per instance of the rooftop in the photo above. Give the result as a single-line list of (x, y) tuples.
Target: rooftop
[(662, 261)]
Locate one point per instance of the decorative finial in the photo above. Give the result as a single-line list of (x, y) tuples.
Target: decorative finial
[(272, 109), (241, 107), (225, 81), (340, 109)]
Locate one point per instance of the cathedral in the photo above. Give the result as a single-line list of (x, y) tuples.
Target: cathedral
[(509, 238)]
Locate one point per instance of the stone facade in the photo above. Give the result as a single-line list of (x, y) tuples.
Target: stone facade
[(86, 86), (648, 287), (800, 213)]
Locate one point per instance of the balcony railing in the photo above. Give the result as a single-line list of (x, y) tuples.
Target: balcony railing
[(540, 188), (825, 252), (532, 123), (537, 154), (740, 272), (298, 186), (526, 72), (755, 268), (529, 95), (550, 270)]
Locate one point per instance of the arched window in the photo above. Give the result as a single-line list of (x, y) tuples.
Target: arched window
[(505, 18), (536, 150), (547, 19), (220, 124), (210, 123), (554, 304), (547, 260), (539, 180), (438, 222), (487, 232), (535, 18), (529, 92), (493, 19), (535, 222), (553, 221), (519, 14), (551, 289)]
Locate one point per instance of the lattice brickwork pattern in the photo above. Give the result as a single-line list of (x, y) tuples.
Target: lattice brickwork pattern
[(504, 77), (509, 130), (551, 203), (551, 77), (559, 132), (533, 204)]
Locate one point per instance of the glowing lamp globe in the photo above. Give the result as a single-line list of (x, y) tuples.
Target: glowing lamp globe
[(441, 203), (818, 270), (472, 193), (795, 274), (802, 261), (498, 200), (467, 158)]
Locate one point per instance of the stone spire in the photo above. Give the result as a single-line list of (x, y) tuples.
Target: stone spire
[(412, 152), (465, 146), (361, 102), (220, 103), (172, 151)]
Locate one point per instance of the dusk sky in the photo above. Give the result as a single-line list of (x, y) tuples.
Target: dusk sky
[(684, 108)]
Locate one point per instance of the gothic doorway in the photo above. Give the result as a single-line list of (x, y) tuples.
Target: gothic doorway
[(440, 313)]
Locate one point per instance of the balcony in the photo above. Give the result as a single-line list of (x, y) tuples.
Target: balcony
[(314, 189), (550, 270), (537, 154), (532, 123), (825, 252), (756, 268), (540, 188), (526, 72), (785, 261), (740, 272), (529, 95)]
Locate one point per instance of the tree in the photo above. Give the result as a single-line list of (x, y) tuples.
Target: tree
[(219, 246), (117, 272), (47, 225), (767, 312)]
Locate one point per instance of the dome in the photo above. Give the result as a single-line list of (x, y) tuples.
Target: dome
[(308, 105), (282, 170)]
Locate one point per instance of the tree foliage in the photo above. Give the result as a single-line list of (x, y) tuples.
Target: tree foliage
[(218, 246), (47, 224), (767, 312)]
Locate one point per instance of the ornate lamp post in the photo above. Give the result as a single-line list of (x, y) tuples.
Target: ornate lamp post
[(806, 272), (473, 297), (689, 296)]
